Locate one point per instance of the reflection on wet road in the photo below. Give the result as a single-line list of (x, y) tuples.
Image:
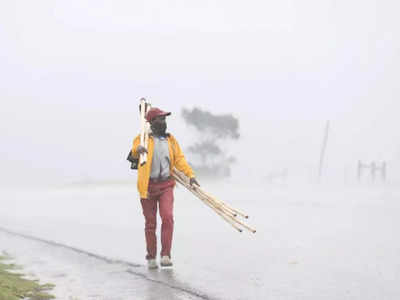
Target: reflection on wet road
[(81, 275)]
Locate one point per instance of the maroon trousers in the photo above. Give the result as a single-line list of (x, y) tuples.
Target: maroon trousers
[(159, 194)]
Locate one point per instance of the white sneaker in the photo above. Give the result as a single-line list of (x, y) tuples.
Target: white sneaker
[(165, 261), (152, 264)]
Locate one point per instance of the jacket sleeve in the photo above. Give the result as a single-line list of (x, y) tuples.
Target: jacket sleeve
[(180, 161), (136, 143)]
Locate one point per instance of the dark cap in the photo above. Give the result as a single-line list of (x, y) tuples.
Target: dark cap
[(155, 112)]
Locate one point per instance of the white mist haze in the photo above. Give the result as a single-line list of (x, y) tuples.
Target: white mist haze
[(72, 74)]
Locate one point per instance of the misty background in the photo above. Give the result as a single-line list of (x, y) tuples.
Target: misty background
[(209, 155), (71, 76), (72, 73)]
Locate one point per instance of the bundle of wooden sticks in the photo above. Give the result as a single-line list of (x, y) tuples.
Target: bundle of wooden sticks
[(226, 212)]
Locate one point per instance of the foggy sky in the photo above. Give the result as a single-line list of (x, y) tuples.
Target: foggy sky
[(72, 73)]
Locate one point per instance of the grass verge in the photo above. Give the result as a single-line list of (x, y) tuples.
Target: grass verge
[(13, 285)]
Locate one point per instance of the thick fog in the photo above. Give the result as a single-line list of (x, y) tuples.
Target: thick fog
[(254, 83), (72, 73)]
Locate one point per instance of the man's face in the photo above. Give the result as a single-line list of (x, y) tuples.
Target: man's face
[(159, 125), (159, 119)]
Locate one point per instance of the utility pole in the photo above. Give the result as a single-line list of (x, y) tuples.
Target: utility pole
[(323, 149)]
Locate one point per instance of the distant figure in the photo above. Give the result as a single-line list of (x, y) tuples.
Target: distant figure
[(155, 184)]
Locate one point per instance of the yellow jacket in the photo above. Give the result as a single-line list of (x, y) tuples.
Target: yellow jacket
[(177, 160)]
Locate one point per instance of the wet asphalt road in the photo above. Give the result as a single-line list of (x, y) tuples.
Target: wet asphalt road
[(81, 275), (311, 243)]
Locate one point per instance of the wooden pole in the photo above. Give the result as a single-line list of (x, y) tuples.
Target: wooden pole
[(221, 208), (235, 211), (208, 204), (143, 156), (200, 194), (323, 149), (147, 128)]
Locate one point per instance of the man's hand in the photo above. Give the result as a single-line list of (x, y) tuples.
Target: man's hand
[(140, 149), (194, 181)]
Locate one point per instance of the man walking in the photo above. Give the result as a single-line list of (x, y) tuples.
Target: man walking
[(155, 184)]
